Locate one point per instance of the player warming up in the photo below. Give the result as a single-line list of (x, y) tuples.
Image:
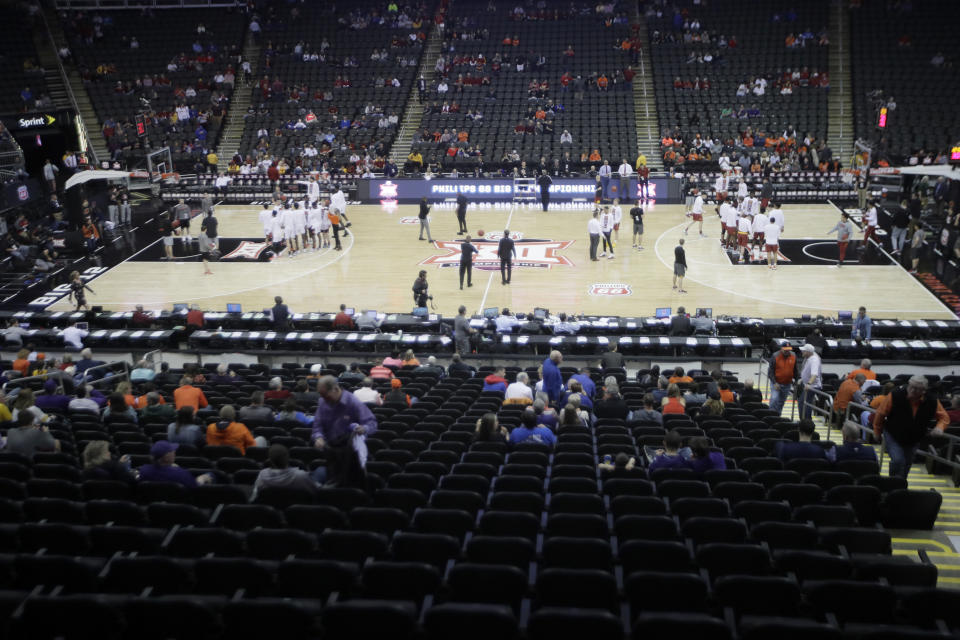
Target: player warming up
[(695, 213)]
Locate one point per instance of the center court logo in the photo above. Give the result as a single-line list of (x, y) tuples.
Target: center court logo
[(246, 251), (542, 254), (610, 289)]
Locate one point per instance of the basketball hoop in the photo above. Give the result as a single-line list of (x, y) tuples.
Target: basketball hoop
[(170, 178)]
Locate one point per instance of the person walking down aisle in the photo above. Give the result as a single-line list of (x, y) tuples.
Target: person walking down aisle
[(425, 219), (506, 251)]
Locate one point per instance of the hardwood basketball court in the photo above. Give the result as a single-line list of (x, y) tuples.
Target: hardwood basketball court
[(382, 256)]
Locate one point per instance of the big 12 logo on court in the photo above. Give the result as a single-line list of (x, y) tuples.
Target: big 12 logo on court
[(610, 289)]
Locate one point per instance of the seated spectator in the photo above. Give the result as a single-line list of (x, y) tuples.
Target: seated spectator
[(805, 448), (496, 381), (303, 395), (98, 464), (51, 398), (530, 432), (84, 401), (546, 415), (611, 405), (276, 391), (187, 394), (661, 391), (154, 406), (673, 403), (396, 394), (290, 412), (726, 395), (954, 410), (570, 416), (865, 370), (702, 458), (648, 414), (184, 428), (30, 436), (118, 409), (143, 372), (225, 375), (575, 389), (367, 394), (256, 411), (679, 377), (713, 405), (519, 392), (22, 363), (86, 361), (431, 368), (849, 391), (457, 364), (164, 467), (25, 402), (279, 473), (622, 466), (669, 457), (409, 360), (228, 432), (853, 448), (490, 430), (381, 372), (749, 393)]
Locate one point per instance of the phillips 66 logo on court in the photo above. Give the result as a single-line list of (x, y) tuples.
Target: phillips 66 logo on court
[(610, 289)]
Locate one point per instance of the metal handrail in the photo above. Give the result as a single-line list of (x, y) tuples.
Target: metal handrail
[(123, 374), (827, 412), (45, 376)]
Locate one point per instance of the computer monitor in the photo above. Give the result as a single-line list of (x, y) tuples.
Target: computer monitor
[(420, 312), (663, 312), (234, 307), (844, 315), (83, 326), (707, 311), (349, 311), (180, 307), (540, 313), (371, 313), (491, 312)]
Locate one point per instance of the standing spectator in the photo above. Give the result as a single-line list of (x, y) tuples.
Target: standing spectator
[(904, 418), (625, 172), (811, 377), (862, 325), (551, 378), (782, 374), (50, 172), (462, 331), (339, 427)]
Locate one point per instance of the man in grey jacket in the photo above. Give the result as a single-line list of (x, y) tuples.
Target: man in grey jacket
[(281, 474)]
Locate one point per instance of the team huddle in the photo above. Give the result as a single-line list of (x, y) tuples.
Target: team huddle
[(305, 225), (746, 225)]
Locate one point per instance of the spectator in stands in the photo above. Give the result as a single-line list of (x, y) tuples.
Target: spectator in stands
[(83, 401), (164, 467), (679, 377), (225, 375), (648, 414), (98, 464), (184, 428), (256, 412), (611, 358), (156, 408), (339, 427), (25, 402), (188, 395), (865, 370), (530, 432), (86, 361), (290, 413), (611, 405), (703, 458), (367, 394), (749, 393), (118, 409), (669, 457), (552, 380), (903, 418), (954, 412), (673, 402), (853, 448), (30, 436), (276, 390), (51, 399), (713, 405), (143, 372), (228, 432), (804, 448), (489, 430), (811, 377), (409, 360), (496, 381), (849, 391), (622, 466), (279, 473), (431, 368)]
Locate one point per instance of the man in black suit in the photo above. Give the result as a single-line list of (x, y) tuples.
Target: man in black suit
[(544, 181), (467, 249), (506, 251), (462, 213), (281, 315), (680, 323)]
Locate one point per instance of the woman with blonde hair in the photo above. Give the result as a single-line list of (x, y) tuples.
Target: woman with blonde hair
[(673, 402), (26, 401), (98, 464), (410, 360)]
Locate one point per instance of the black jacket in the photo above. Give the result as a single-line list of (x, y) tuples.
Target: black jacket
[(506, 249)]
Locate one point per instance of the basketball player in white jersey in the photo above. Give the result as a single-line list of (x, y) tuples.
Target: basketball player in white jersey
[(617, 217), (758, 226), (313, 190), (276, 231), (695, 213), (728, 218), (777, 214), (744, 226), (606, 228), (869, 222), (266, 221), (300, 224), (314, 222), (771, 241), (742, 187), (325, 224), (290, 228), (720, 187)]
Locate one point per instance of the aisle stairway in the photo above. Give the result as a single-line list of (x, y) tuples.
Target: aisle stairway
[(232, 133), (644, 99), (840, 102), (413, 113)]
